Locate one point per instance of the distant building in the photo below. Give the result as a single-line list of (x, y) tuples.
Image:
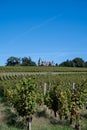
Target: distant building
[(45, 63)]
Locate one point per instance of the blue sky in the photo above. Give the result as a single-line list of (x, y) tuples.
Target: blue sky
[(51, 29)]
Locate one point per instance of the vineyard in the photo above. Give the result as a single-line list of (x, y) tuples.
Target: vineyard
[(41, 69), (59, 98)]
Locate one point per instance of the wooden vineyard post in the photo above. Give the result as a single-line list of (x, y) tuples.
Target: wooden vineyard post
[(45, 85), (29, 120), (73, 112)]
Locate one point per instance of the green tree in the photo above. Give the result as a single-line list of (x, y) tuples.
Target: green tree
[(78, 62), (67, 63), (86, 64), (27, 62), (12, 61)]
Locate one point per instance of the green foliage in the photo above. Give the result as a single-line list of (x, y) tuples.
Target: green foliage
[(12, 61), (15, 61), (23, 96), (40, 95), (76, 62), (57, 100), (67, 101), (60, 97), (27, 62), (46, 69), (79, 96)]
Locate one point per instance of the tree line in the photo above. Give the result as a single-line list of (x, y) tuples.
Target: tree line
[(27, 61), (15, 61), (76, 62)]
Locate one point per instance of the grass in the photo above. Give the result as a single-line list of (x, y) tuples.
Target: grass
[(45, 124), (41, 121), (3, 126), (9, 120)]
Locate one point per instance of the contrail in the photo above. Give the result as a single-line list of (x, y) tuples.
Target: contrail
[(37, 26), (43, 23)]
